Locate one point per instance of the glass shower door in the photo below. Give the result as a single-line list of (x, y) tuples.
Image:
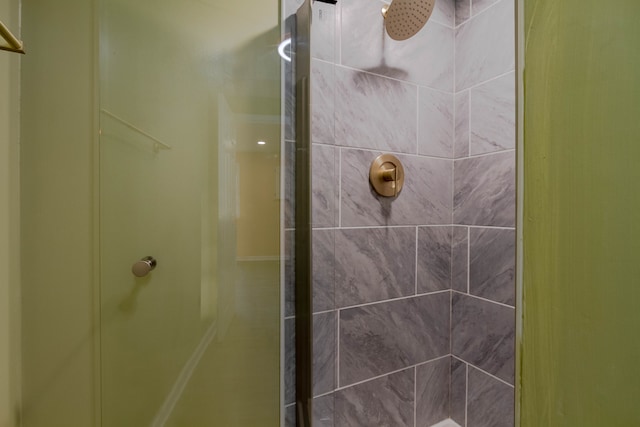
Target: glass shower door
[(190, 213)]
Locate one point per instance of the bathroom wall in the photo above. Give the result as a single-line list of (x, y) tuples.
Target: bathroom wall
[(58, 316), (483, 269), (9, 221), (580, 345), (414, 296)]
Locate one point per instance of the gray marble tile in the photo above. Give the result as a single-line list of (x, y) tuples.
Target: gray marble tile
[(289, 274), (463, 11), (374, 264), (485, 46), (458, 391), (432, 392), (324, 352), (444, 12), (491, 403), (323, 30), (289, 361), (480, 5), (326, 182), (289, 184), (386, 401), (375, 112), (460, 259), (492, 265), (483, 334), (462, 135), (493, 115), (323, 270), (425, 59), (435, 123), (424, 200), (323, 411), (485, 190), (323, 86), (434, 259), (290, 416), (381, 338)]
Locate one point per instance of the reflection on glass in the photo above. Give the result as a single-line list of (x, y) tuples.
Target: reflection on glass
[(196, 341)]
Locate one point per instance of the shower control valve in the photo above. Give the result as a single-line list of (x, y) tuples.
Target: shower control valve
[(386, 175)]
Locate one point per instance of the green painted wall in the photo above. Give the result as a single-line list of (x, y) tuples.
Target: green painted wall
[(9, 221), (581, 277), (57, 181)]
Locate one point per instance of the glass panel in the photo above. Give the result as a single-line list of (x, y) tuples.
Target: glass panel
[(190, 174)]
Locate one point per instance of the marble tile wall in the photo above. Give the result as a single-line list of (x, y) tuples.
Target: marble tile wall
[(413, 296), (483, 245), (382, 267)]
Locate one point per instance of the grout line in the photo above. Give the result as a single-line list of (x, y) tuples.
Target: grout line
[(426, 294), (485, 299), (339, 187), (317, 396), (415, 395), (453, 231), (468, 260), (484, 82), (290, 317), (337, 360), (483, 371), (453, 191), (493, 153), (384, 150), (469, 123), (450, 385), (492, 227), (415, 277), (322, 312), (383, 227), (326, 144), (451, 323), (455, 75), (448, 26), (471, 15), (418, 121), (338, 29), (406, 82), (466, 394), (377, 377)]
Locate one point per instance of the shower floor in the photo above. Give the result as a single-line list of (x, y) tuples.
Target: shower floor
[(446, 423)]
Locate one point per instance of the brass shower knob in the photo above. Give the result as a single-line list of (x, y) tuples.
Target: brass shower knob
[(387, 175)]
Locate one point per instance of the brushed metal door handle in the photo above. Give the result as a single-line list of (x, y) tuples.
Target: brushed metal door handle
[(144, 266)]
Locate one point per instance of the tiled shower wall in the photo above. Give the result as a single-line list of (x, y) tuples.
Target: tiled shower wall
[(483, 279), (393, 343)]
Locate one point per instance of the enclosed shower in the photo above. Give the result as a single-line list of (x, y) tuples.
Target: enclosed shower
[(199, 197)]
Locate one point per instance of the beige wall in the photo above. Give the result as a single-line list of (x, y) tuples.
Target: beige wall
[(57, 136), (9, 226), (258, 224)]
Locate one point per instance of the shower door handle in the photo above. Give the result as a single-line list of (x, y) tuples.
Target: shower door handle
[(144, 266)]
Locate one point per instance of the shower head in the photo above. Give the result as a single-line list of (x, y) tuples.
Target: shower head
[(404, 18)]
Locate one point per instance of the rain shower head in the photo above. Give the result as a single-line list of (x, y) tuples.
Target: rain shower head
[(404, 18)]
